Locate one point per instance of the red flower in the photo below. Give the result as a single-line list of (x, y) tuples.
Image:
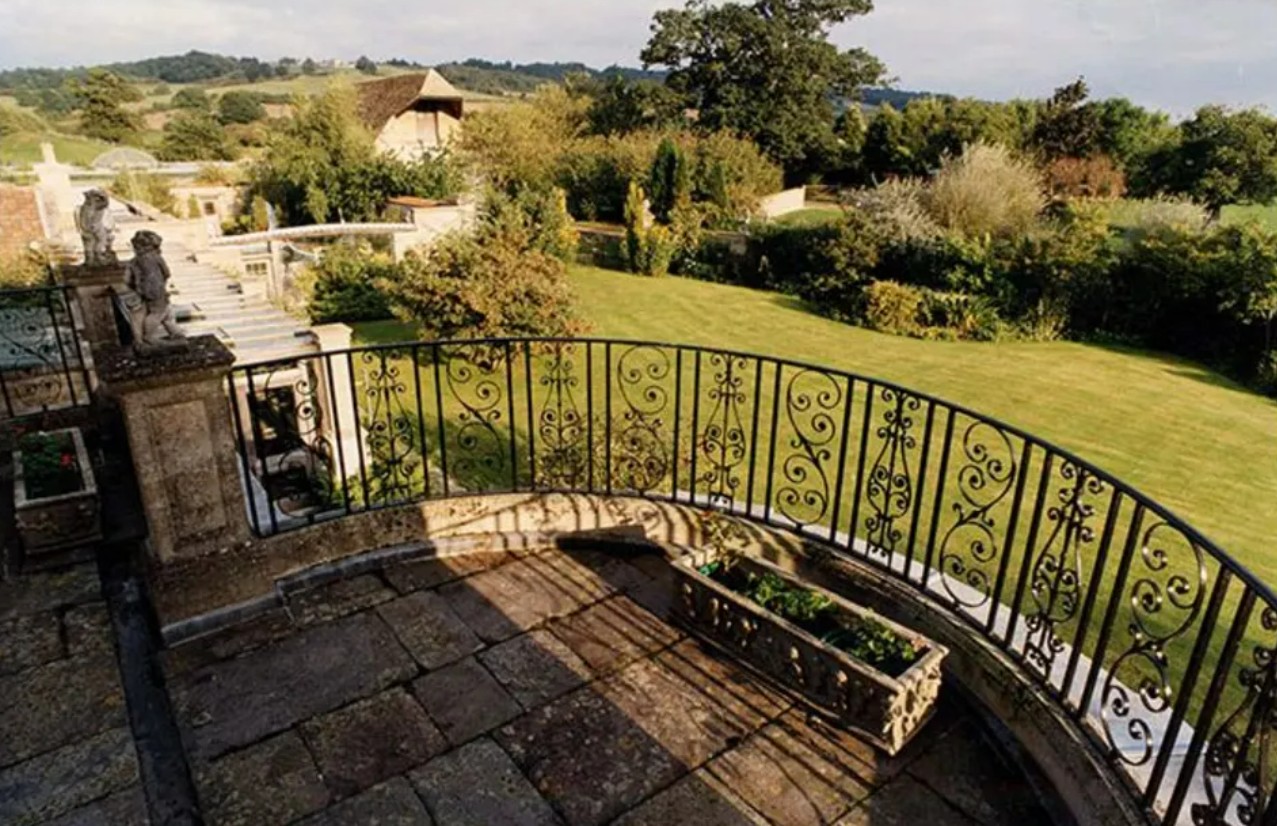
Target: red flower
[(67, 460)]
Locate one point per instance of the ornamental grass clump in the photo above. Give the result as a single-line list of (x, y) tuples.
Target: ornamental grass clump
[(986, 191)]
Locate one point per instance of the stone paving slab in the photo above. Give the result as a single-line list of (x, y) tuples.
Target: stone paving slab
[(53, 705), (786, 780), (29, 640), (986, 789), (477, 785), (339, 599), (697, 799), (393, 803), (431, 573), (590, 758), (535, 667), (906, 802), (224, 645), (428, 628), (126, 808), (465, 700), (274, 781), (49, 590), (506, 601), (370, 741), (61, 781), (236, 702), (614, 633), (88, 630)]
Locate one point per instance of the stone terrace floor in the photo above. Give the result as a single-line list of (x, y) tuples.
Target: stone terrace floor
[(483, 689)]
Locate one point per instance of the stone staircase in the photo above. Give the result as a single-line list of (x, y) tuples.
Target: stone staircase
[(209, 302)]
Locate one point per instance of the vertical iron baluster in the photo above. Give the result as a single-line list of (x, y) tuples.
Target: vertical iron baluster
[(771, 449), (258, 440), (365, 490), (1110, 616), (1026, 564), (1092, 590), (394, 463), (75, 339), (62, 354), (941, 481), (443, 435), (1009, 541), (509, 398), (527, 386), (922, 486), (753, 437), (678, 421), (1201, 731), (589, 419), (341, 448), (696, 424), (842, 460), (607, 413), (243, 453), (860, 469), (421, 421)]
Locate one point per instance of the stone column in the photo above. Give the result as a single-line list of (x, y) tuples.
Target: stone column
[(339, 401), (184, 450), (92, 286)]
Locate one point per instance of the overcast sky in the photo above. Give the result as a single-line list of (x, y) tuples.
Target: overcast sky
[(1171, 54)]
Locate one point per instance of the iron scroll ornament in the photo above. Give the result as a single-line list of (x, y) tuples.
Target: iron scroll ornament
[(640, 458), (889, 489), (811, 397), (563, 458), (970, 546), (722, 442)]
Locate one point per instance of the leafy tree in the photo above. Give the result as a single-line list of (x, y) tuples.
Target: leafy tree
[(366, 65), (490, 284), (886, 153), (195, 136), (1131, 134), (766, 70), (344, 285), (309, 67), (240, 107), (1068, 126), (621, 106), (100, 97), (669, 183), (254, 69), (1224, 157), (192, 97)]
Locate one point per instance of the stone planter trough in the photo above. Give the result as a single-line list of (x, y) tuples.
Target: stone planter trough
[(55, 523), (887, 711)]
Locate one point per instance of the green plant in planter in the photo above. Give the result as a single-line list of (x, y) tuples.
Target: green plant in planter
[(50, 466)]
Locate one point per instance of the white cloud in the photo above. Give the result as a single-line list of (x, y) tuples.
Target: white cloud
[(1175, 54)]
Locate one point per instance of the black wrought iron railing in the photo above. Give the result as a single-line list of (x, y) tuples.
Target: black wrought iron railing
[(43, 364), (1156, 643)]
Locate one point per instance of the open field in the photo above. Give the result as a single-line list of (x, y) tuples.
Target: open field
[(1188, 437), (24, 148), (1265, 215)]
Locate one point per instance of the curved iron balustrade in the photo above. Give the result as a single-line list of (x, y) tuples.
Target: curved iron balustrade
[(1160, 646)]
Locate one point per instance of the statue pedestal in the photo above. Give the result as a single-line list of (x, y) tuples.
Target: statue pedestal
[(184, 454), (92, 287)]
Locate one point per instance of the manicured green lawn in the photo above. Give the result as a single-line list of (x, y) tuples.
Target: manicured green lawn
[(24, 148), (1265, 215), (811, 216), (1188, 437)]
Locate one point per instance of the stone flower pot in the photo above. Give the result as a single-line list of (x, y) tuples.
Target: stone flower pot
[(66, 520), (885, 710)]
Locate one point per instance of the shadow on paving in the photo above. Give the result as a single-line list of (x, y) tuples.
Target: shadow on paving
[(543, 688)]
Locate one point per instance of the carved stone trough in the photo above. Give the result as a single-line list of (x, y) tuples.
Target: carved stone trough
[(887, 711), (54, 523)]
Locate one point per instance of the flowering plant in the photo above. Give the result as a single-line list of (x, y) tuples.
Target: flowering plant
[(50, 466)]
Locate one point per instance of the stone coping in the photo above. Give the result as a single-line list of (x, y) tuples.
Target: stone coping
[(78, 275), (121, 368)]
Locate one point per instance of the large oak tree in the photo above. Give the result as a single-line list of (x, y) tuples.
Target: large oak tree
[(766, 70)]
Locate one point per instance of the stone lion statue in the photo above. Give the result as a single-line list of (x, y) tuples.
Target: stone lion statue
[(97, 229), (148, 275)]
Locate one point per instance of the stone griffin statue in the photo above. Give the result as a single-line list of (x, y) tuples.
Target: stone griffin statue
[(147, 275), (97, 229)]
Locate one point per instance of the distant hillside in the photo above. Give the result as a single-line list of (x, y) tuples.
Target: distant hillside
[(475, 74)]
